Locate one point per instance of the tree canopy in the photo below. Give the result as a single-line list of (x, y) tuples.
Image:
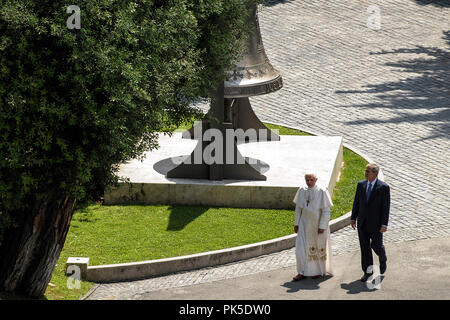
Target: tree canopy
[(74, 104)]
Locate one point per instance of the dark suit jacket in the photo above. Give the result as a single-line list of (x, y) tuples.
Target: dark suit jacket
[(375, 213)]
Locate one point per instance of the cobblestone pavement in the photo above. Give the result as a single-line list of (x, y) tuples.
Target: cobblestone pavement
[(343, 241), (385, 90)]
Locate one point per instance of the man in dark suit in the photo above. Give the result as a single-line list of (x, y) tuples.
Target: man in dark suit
[(371, 215)]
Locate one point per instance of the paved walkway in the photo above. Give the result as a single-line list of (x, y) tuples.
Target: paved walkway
[(386, 91), (416, 270)]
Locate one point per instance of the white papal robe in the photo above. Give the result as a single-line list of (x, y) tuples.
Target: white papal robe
[(313, 249)]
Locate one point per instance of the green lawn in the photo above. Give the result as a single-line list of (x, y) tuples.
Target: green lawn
[(344, 191), (284, 131), (116, 234), (134, 232)]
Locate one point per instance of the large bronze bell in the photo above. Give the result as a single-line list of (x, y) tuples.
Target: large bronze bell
[(253, 75), (231, 109)]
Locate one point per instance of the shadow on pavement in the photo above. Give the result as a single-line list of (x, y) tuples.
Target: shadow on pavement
[(270, 3), (306, 284), (427, 88), (357, 286), (437, 3)]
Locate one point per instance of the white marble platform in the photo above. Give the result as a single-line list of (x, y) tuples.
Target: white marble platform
[(288, 160)]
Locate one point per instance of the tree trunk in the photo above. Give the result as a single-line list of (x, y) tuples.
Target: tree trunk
[(30, 249)]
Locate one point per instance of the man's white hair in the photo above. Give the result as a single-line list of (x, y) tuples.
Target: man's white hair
[(311, 173)]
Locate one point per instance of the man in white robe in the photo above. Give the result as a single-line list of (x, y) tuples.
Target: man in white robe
[(312, 216)]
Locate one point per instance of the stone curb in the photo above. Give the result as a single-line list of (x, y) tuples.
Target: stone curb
[(152, 268), (288, 241), (159, 267)]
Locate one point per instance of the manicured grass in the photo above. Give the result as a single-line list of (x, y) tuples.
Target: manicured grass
[(281, 130), (115, 234), (344, 191), (134, 233), (118, 234), (284, 131)]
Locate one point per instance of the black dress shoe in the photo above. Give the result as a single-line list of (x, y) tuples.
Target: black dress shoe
[(383, 267), (365, 277)]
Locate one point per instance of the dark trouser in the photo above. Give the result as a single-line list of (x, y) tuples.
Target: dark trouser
[(368, 241)]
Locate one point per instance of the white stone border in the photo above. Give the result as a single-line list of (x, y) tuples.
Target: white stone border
[(153, 268)]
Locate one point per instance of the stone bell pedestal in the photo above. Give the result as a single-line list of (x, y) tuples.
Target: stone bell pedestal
[(289, 159), (231, 110), (215, 157)]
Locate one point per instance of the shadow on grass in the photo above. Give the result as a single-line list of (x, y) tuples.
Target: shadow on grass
[(181, 216), (84, 215)]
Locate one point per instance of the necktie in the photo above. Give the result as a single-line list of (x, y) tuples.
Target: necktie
[(369, 189)]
